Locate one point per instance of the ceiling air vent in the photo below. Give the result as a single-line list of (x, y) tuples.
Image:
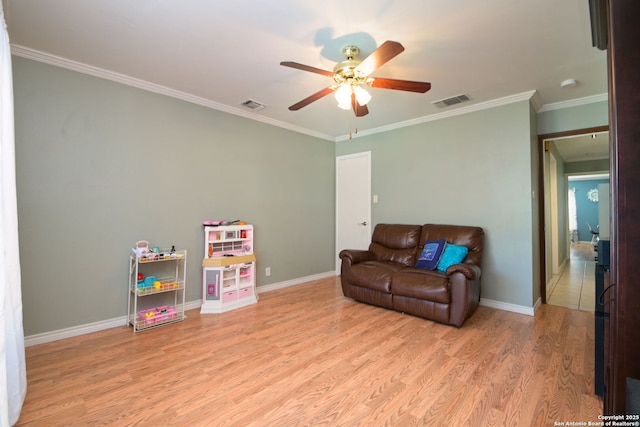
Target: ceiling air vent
[(253, 105), (451, 101)]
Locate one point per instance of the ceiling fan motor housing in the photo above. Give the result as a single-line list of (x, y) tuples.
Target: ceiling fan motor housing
[(345, 71), (350, 51)]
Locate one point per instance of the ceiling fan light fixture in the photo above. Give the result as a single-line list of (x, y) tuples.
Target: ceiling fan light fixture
[(343, 96), (362, 96), (344, 106)]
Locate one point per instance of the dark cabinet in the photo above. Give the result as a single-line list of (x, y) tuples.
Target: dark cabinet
[(622, 334), (601, 313)]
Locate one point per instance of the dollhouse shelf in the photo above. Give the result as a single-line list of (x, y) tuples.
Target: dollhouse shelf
[(228, 269)]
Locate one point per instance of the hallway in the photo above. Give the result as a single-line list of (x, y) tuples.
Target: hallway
[(574, 287)]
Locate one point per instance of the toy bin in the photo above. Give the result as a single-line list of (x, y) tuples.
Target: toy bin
[(156, 315)]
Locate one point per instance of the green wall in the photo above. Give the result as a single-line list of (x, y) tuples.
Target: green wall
[(472, 169), (536, 221), (101, 165), (579, 117)]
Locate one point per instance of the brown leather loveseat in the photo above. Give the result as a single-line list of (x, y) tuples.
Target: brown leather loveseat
[(386, 276)]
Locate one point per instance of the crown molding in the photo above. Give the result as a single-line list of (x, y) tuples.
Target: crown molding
[(603, 97), (533, 97), (524, 96), (79, 67), (536, 101)]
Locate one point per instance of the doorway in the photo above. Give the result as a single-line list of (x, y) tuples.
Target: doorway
[(567, 270), (587, 215)]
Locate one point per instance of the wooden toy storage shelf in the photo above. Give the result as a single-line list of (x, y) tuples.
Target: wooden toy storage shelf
[(228, 269), (159, 298)]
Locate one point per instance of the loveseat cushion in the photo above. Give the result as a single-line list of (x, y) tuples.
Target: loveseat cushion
[(471, 237), (374, 275), (430, 285), (395, 243)]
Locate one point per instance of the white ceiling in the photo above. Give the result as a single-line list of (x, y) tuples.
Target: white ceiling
[(583, 147), (220, 54)]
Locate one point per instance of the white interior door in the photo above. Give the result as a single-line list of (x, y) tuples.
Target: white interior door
[(353, 202)]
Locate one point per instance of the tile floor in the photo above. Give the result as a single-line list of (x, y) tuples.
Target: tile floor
[(575, 286)]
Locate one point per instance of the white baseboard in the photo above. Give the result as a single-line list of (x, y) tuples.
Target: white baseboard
[(553, 282), (293, 282), (563, 264), (537, 305), (530, 311), (74, 331), (101, 325), (88, 328), (551, 285)]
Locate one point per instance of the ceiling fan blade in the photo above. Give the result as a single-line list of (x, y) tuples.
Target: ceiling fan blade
[(407, 85), (306, 68), (308, 100), (387, 51), (359, 110)]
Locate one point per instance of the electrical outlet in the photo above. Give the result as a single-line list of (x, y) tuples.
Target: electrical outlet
[(267, 271)]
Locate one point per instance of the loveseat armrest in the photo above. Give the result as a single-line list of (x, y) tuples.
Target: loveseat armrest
[(470, 271), (465, 295), (355, 256)]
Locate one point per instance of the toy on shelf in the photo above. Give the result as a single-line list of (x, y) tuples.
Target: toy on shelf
[(144, 253), (157, 315), (149, 281), (222, 222), (151, 284), (142, 248)]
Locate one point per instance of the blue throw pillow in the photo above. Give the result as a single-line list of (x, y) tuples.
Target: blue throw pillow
[(453, 254), (431, 254)]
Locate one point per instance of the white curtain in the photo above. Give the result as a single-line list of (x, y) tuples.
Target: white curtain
[(13, 376), (573, 216)]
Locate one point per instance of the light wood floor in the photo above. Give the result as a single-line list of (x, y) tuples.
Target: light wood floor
[(307, 356), (575, 287)]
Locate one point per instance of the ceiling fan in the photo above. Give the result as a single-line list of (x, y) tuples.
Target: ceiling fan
[(350, 74)]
